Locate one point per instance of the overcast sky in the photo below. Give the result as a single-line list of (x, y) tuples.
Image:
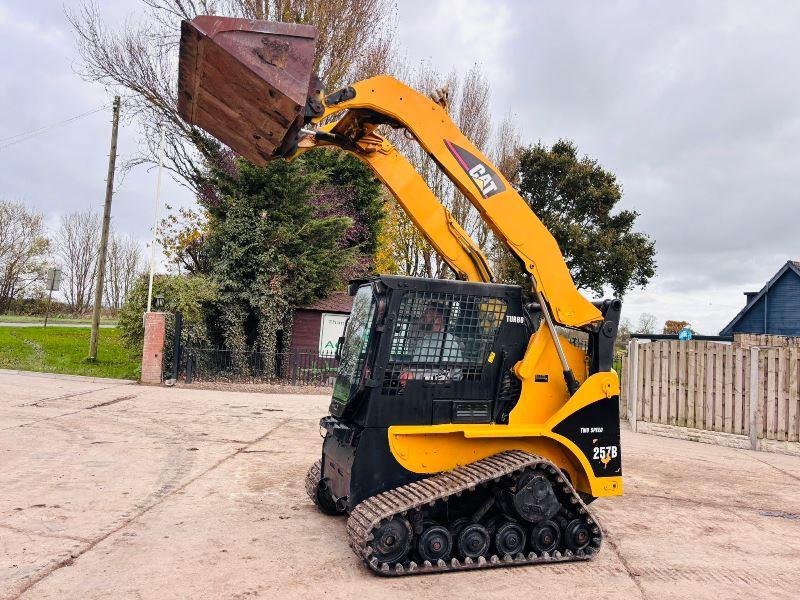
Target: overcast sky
[(695, 106)]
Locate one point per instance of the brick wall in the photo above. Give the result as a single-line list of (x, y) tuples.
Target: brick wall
[(155, 325)]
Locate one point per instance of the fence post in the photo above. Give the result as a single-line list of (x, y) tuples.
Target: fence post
[(633, 383), (754, 387), (189, 367), (176, 345)]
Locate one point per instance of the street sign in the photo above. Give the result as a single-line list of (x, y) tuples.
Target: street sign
[(53, 280), (685, 334)]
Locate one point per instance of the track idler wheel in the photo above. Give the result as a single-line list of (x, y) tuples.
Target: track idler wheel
[(473, 541), (545, 537), (325, 501), (509, 539), (392, 540), (319, 492), (434, 543), (577, 535)]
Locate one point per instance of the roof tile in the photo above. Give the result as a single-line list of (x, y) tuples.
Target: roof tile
[(340, 302)]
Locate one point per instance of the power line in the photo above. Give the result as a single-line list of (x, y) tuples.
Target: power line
[(21, 137)]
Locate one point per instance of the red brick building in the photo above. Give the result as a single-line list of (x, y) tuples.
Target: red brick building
[(318, 325)]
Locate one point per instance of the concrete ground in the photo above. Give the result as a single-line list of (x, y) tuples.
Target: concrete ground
[(116, 491)]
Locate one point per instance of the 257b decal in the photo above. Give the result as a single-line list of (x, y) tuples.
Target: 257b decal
[(605, 453)]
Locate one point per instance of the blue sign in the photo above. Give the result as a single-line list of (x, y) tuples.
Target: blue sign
[(685, 334)]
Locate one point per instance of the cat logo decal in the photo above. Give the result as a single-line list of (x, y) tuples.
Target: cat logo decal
[(486, 180)]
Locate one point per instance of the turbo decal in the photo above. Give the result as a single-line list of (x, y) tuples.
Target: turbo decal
[(486, 180)]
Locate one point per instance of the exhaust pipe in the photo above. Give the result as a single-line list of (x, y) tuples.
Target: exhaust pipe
[(247, 82)]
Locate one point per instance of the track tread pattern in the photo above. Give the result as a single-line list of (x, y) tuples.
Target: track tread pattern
[(313, 477), (373, 511)]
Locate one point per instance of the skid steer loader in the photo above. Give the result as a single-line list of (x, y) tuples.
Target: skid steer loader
[(467, 429)]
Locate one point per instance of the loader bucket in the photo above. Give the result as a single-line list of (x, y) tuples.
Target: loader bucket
[(246, 82)]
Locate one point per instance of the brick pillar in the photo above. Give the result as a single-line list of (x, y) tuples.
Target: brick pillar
[(155, 326)]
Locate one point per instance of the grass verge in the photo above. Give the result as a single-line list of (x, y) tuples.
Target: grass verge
[(64, 350)]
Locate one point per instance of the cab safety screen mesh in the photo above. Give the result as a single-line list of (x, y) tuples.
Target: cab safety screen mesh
[(442, 337)]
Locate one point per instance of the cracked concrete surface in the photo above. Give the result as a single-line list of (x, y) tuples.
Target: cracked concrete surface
[(117, 491)]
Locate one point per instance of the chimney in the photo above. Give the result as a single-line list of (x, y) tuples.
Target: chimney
[(750, 296)]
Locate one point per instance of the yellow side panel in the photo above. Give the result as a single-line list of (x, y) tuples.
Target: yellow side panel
[(539, 400), (435, 448)]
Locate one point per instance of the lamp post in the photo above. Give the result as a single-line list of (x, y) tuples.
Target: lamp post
[(158, 302), (155, 220)]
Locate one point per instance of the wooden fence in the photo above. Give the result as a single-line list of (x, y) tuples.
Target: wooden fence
[(736, 389)]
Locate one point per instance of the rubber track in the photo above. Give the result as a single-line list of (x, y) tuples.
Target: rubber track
[(312, 481), (373, 511)]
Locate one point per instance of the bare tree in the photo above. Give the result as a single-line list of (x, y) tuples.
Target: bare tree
[(76, 242), (646, 323), (139, 61), (506, 148), (506, 152), (623, 333), (23, 248), (124, 263)]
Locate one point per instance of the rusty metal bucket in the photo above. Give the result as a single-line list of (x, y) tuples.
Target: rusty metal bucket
[(245, 82)]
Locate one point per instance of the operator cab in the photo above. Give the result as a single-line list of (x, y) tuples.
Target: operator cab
[(427, 351)]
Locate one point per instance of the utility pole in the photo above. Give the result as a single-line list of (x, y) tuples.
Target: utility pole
[(101, 260)]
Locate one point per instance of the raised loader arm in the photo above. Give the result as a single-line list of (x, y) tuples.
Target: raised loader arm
[(250, 84)]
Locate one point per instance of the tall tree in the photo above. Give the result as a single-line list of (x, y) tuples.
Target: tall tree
[(271, 245), (576, 199), (342, 186), (124, 263), (23, 248), (76, 242), (349, 189)]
